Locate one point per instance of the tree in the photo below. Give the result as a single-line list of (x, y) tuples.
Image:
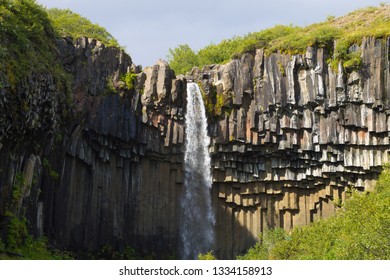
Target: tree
[(182, 59)]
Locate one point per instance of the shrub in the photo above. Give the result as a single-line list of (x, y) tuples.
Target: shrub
[(207, 256), (182, 59), (28, 40), (129, 80), (347, 30), (68, 23)]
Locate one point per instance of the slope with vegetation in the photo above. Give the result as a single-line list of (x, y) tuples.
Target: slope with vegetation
[(27, 41), (28, 34), (359, 230), (346, 30), (68, 23), (33, 83)]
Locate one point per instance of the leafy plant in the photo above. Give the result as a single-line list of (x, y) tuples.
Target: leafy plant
[(182, 59), (207, 256), (129, 79)]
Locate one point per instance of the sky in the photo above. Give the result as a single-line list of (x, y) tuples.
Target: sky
[(149, 28)]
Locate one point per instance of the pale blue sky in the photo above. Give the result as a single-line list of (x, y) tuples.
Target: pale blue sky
[(148, 28)]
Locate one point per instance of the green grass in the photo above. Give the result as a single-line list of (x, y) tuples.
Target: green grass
[(346, 30), (68, 23), (28, 34), (360, 230), (28, 41)]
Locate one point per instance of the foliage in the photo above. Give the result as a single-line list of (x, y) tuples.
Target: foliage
[(267, 241), (21, 245), (182, 59), (109, 253), (49, 169), (359, 230), (28, 40), (213, 101), (207, 256), (17, 231), (68, 23), (347, 30), (17, 189), (129, 79)]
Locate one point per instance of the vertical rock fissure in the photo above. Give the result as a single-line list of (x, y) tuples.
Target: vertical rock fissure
[(197, 216)]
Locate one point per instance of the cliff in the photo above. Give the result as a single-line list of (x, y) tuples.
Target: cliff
[(293, 136), (103, 166)]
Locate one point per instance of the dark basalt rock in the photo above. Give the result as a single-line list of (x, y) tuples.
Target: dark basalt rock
[(292, 136)]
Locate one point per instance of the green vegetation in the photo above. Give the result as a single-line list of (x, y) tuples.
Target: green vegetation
[(17, 243), (129, 79), (213, 101), (17, 189), (21, 245), (346, 31), (359, 230), (49, 169), (207, 256), (109, 253), (68, 23), (28, 35), (28, 41)]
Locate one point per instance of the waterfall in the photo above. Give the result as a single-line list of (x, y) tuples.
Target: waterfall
[(197, 216)]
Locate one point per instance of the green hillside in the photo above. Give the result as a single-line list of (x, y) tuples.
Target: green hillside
[(28, 34), (346, 30), (68, 23)]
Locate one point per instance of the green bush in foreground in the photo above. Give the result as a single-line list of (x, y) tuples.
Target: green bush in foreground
[(360, 230), (21, 245), (207, 256)]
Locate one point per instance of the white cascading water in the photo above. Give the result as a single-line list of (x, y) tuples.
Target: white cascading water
[(197, 216)]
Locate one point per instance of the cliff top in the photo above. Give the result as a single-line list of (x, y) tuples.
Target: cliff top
[(28, 38), (68, 23), (346, 30)]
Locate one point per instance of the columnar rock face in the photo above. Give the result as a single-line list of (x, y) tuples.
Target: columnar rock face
[(293, 136), (289, 138), (31, 113), (120, 165)]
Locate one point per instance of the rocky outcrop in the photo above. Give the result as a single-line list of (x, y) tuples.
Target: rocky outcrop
[(289, 137), (31, 114), (121, 160), (293, 136)]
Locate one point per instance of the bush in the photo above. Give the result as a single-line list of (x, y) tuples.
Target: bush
[(28, 40), (347, 30), (19, 244), (68, 23), (207, 256), (182, 59), (266, 243)]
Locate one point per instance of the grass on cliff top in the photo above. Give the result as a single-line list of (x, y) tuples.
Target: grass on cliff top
[(346, 30), (360, 230), (68, 23), (27, 40), (28, 34)]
